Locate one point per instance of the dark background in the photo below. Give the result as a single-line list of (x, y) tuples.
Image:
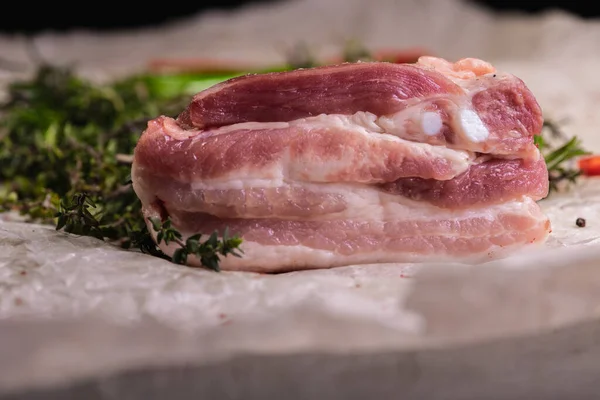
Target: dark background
[(26, 17)]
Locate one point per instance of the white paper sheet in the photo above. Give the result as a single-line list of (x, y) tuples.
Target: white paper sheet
[(59, 281)]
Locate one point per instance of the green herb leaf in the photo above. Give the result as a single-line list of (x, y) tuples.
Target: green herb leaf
[(207, 252)]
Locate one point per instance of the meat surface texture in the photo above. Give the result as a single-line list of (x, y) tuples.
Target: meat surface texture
[(352, 163)]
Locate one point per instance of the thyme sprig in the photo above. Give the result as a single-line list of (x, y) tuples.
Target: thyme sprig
[(559, 153), (76, 215), (207, 252)]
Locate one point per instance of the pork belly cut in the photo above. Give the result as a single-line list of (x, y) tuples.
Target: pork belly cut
[(354, 163)]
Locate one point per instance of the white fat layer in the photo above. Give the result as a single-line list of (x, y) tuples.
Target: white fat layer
[(239, 184), (431, 123), (251, 126), (472, 126)]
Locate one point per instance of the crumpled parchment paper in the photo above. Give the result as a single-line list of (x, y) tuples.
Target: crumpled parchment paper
[(73, 308)]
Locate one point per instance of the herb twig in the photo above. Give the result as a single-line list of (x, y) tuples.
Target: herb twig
[(559, 157), (207, 252), (76, 216)]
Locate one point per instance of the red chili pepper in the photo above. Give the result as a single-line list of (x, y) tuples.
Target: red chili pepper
[(590, 166)]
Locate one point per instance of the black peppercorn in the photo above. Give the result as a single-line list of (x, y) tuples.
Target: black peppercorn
[(580, 222)]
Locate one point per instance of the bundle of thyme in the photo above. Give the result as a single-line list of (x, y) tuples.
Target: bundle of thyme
[(65, 153)]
